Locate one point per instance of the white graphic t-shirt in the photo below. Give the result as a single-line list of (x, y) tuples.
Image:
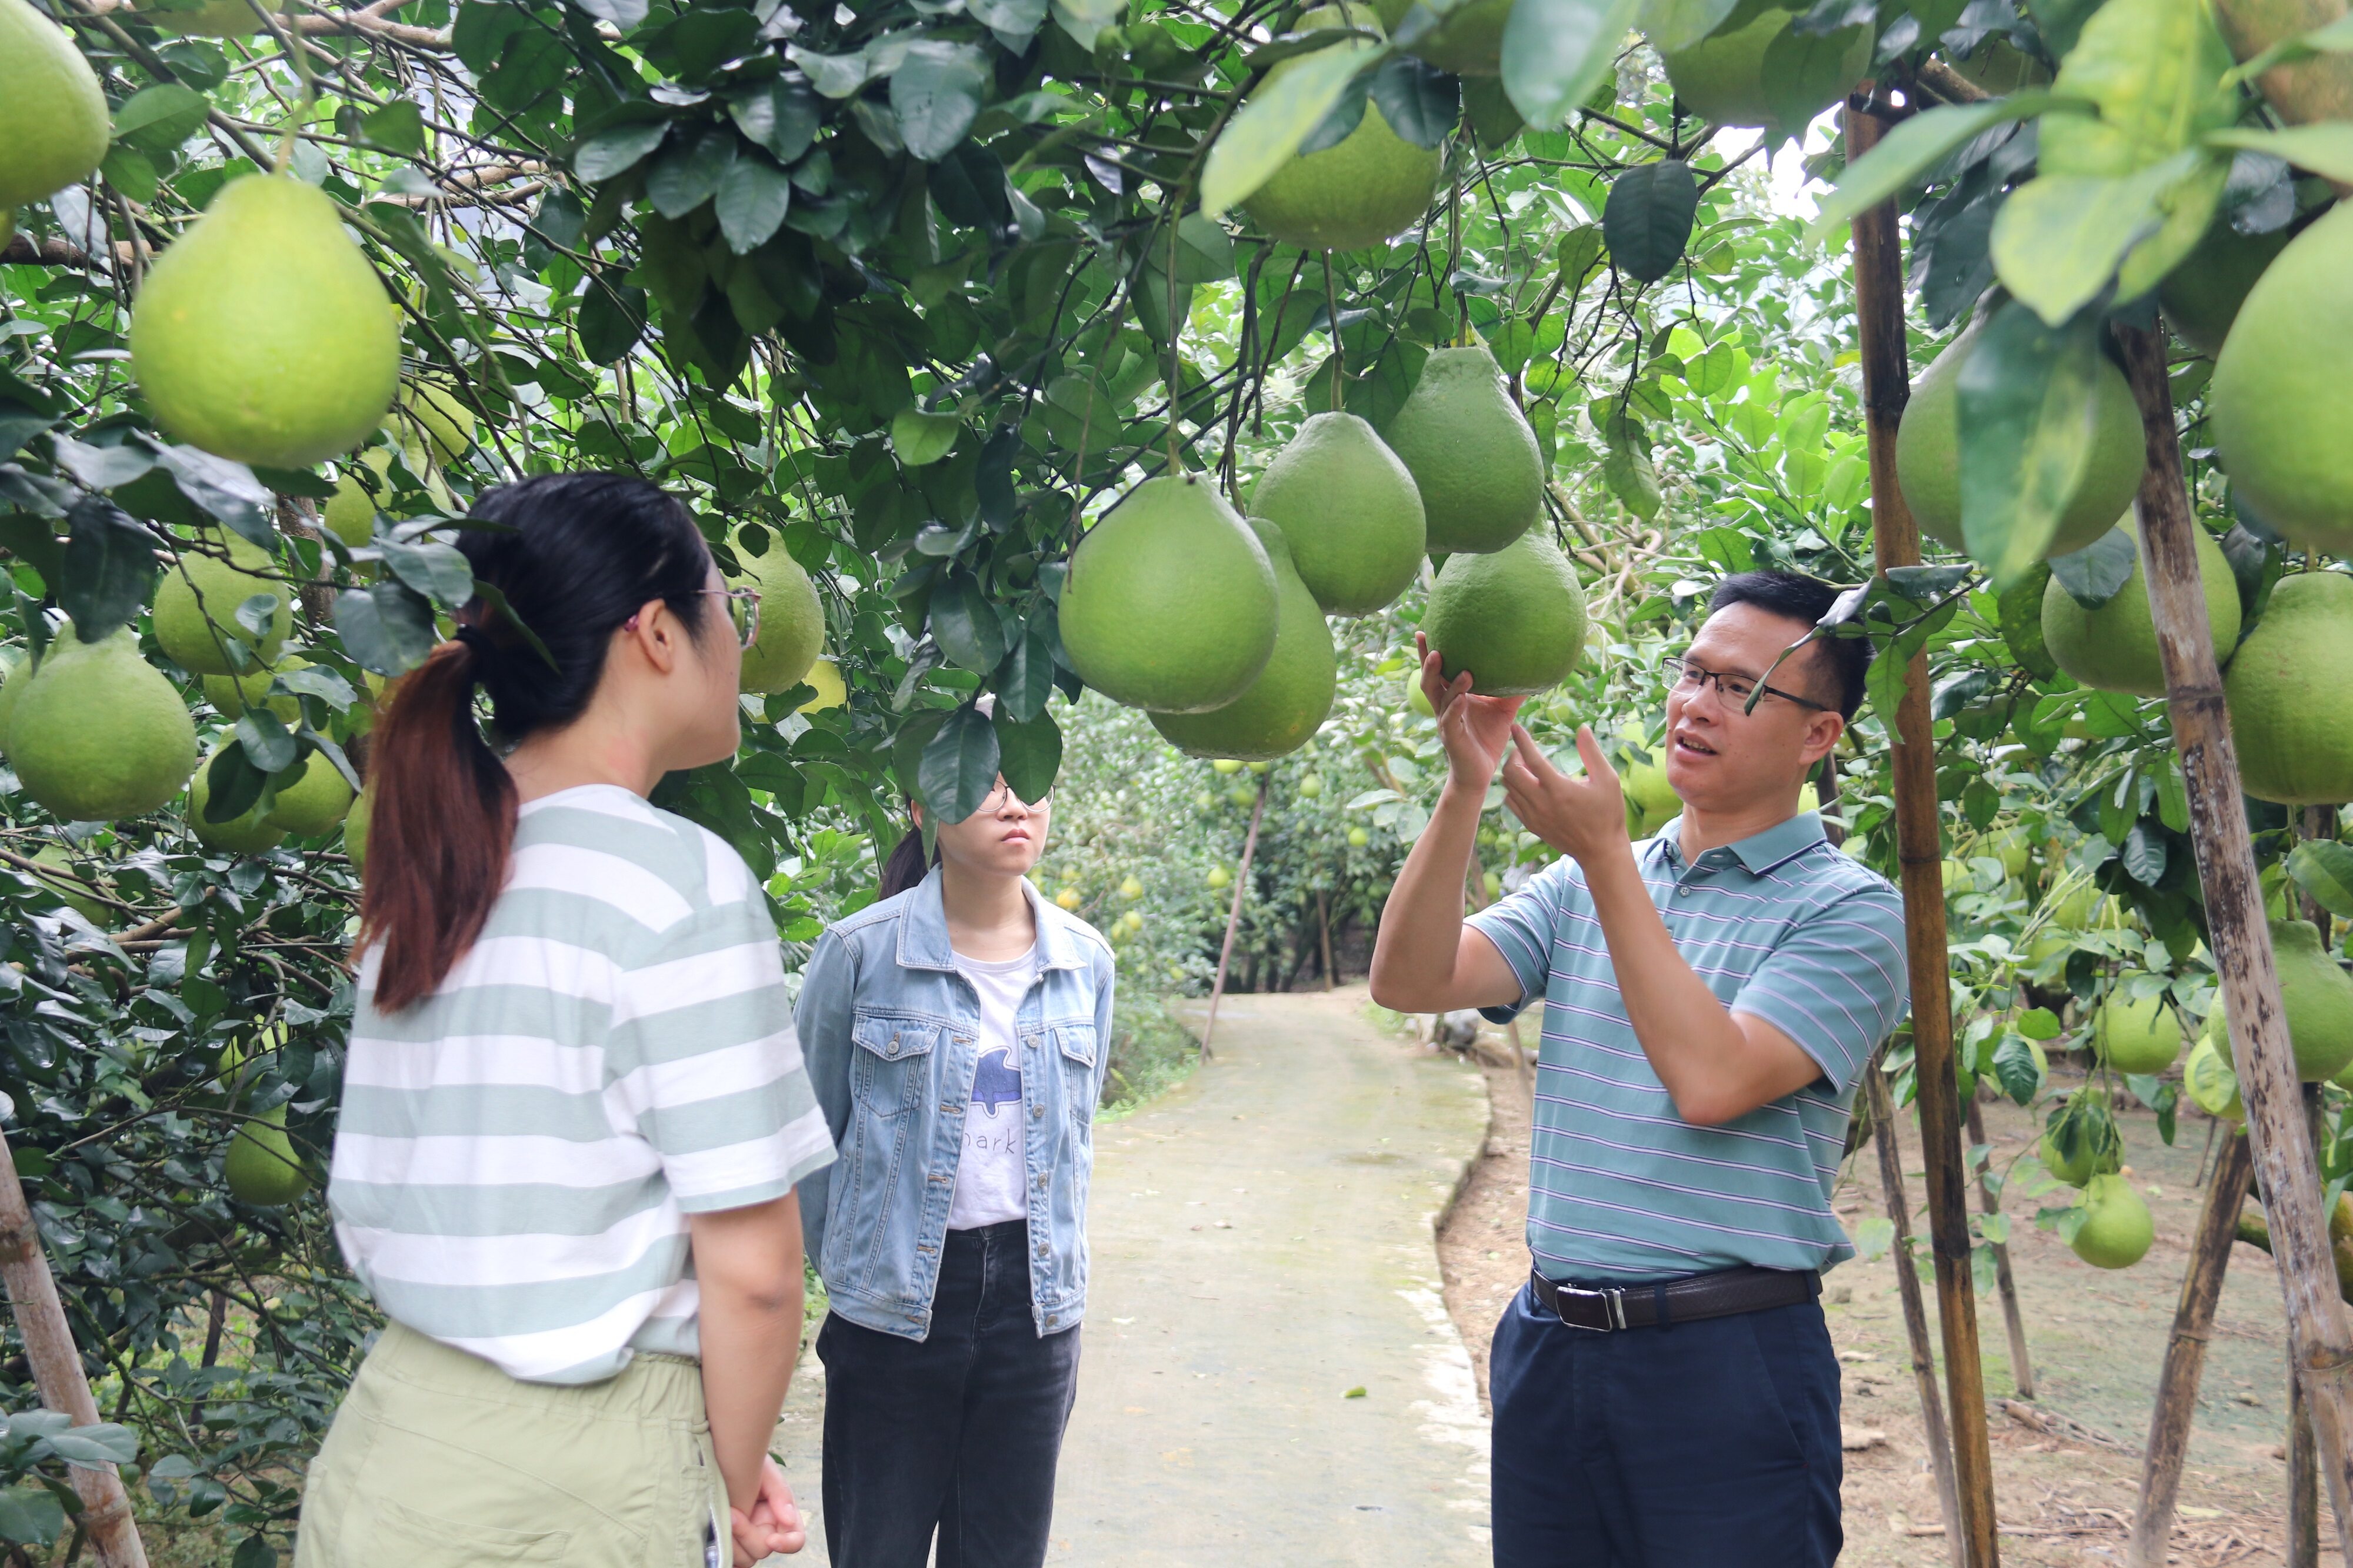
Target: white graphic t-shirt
[(992, 1166)]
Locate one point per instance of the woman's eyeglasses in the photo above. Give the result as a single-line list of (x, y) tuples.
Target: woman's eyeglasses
[(743, 610), (1002, 796), (1736, 689)]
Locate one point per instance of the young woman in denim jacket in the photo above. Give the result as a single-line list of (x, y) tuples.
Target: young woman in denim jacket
[(955, 1032)]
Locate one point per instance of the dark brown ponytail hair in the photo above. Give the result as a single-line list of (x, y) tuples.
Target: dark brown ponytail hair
[(907, 866), (573, 556)]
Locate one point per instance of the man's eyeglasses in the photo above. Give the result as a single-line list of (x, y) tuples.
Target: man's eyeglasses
[(1736, 689), (743, 610)]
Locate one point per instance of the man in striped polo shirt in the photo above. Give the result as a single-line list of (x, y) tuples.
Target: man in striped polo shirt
[(1664, 1390)]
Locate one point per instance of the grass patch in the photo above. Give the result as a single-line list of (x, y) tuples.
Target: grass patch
[(1150, 1052)]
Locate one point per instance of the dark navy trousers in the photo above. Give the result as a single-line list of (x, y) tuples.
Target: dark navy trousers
[(1713, 1443), (957, 1434)]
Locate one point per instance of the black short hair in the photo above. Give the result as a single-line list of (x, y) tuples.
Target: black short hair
[(1808, 599)]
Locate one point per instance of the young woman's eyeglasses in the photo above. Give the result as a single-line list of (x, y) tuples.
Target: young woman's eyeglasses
[(1736, 689), (743, 610), (1002, 796)]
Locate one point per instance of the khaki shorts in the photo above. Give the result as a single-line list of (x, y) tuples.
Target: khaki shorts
[(437, 1459)]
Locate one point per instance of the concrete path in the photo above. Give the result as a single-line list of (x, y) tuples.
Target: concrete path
[(1262, 1247)]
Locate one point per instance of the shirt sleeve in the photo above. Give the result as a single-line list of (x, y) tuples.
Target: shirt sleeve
[(1521, 926), (1837, 983), (703, 1054)]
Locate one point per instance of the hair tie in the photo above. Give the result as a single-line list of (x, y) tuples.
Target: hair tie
[(476, 638)]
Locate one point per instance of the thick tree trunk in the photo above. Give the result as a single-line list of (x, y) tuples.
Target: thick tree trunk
[(2185, 1352), (1886, 382), (2320, 1341), (1916, 1311), (1234, 917), (2021, 1365), (106, 1518)]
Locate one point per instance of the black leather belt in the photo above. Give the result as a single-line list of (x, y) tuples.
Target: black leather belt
[(1608, 1307)]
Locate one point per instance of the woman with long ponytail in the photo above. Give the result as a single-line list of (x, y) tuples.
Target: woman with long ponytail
[(575, 1110)]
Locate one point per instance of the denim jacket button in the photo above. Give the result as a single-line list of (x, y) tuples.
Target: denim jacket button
[(1037, 1110)]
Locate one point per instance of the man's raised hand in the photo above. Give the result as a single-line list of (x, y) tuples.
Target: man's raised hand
[(1475, 729), (1581, 817)]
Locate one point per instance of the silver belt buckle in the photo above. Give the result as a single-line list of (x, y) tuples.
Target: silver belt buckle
[(1613, 1307)]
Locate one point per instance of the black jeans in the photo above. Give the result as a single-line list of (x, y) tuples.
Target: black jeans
[(959, 1432), (1713, 1442)]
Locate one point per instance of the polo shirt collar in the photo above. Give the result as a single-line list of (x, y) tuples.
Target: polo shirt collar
[(1759, 852)]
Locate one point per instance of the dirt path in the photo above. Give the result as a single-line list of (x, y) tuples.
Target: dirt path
[(1270, 1371), (2065, 1495)]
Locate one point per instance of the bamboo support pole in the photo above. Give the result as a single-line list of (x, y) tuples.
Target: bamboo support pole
[(2168, 1449), (2319, 1337), (1234, 917), (1896, 540), (2021, 1365), (2303, 1457), (106, 1520), (1916, 1311)]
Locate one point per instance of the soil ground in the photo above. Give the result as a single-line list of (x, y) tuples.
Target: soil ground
[(2065, 1495)]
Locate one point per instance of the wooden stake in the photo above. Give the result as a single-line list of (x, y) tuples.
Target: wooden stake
[(2303, 1457), (2319, 1338), (1234, 918), (1915, 1312), (106, 1520), (2022, 1366), (1895, 541), (2185, 1354)]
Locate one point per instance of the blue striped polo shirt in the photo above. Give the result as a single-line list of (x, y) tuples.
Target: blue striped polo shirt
[(1779, 925)]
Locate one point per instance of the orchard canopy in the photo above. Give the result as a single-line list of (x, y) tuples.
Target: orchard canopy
[(1520, 320)]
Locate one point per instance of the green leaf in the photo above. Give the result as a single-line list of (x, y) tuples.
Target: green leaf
[(1271, 124), (612, 317), (1555, 52), (1030, 752), (935, 94), (386, 628), (1875, 1235), (1010, 20), (780, 115), (687, 174), (618, 151), (1800, 72), (2059, 238), (439, 572), (158, 118), (2021, 624), (2155, 72), (2323, 149), (2324, 869), (232, 784), (919, 439), (754, 196), (2039, 1024), (1647, 220), (254, 1552), (398, 127), (965, 625), (1086, 20), (2025, 396), (1026, 681), (30, 1516), (1674, 26), (131, 172), (2016, 1070), (1906, 154), (2097, 573), (960, 764), (100, 1443), (1419, 101), (108, 567)]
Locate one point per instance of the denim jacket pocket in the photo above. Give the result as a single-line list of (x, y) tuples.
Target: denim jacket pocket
[(879, 1186), (892, 1072), (1079, 1047)]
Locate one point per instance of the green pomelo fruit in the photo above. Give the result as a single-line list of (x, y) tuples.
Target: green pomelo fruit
[(1170, 601), (1278, 711), (1417, 700), (1721, 77), (434, 416), (311, 806), (196, 609), (2316, 89), (2283, 424), (1472, 455), (2114, 647), (1646, 785), (1514, 619), (263, 334), (66, 882), (2286, 694), (2315, 997), (204, 18), (792, 621), (1373, 184), (2001, 68), (2116, 1230), (1468, 40), (100, 735), (355, 828), (2201, 297), (1928, 455), (823, 677), (231, 695), (2012, 849), (2136, 1036), (53, 122), (245, 835), (350, 512), (1349, 511), (2094, 1148), (17, 662), (2213, 1086), (261, 1166), (2073, 910)]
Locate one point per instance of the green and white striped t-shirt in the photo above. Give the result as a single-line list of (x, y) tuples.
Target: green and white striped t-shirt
[(517, 1153)]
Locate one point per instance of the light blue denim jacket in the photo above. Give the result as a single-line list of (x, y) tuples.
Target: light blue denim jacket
[(891, 1032)]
